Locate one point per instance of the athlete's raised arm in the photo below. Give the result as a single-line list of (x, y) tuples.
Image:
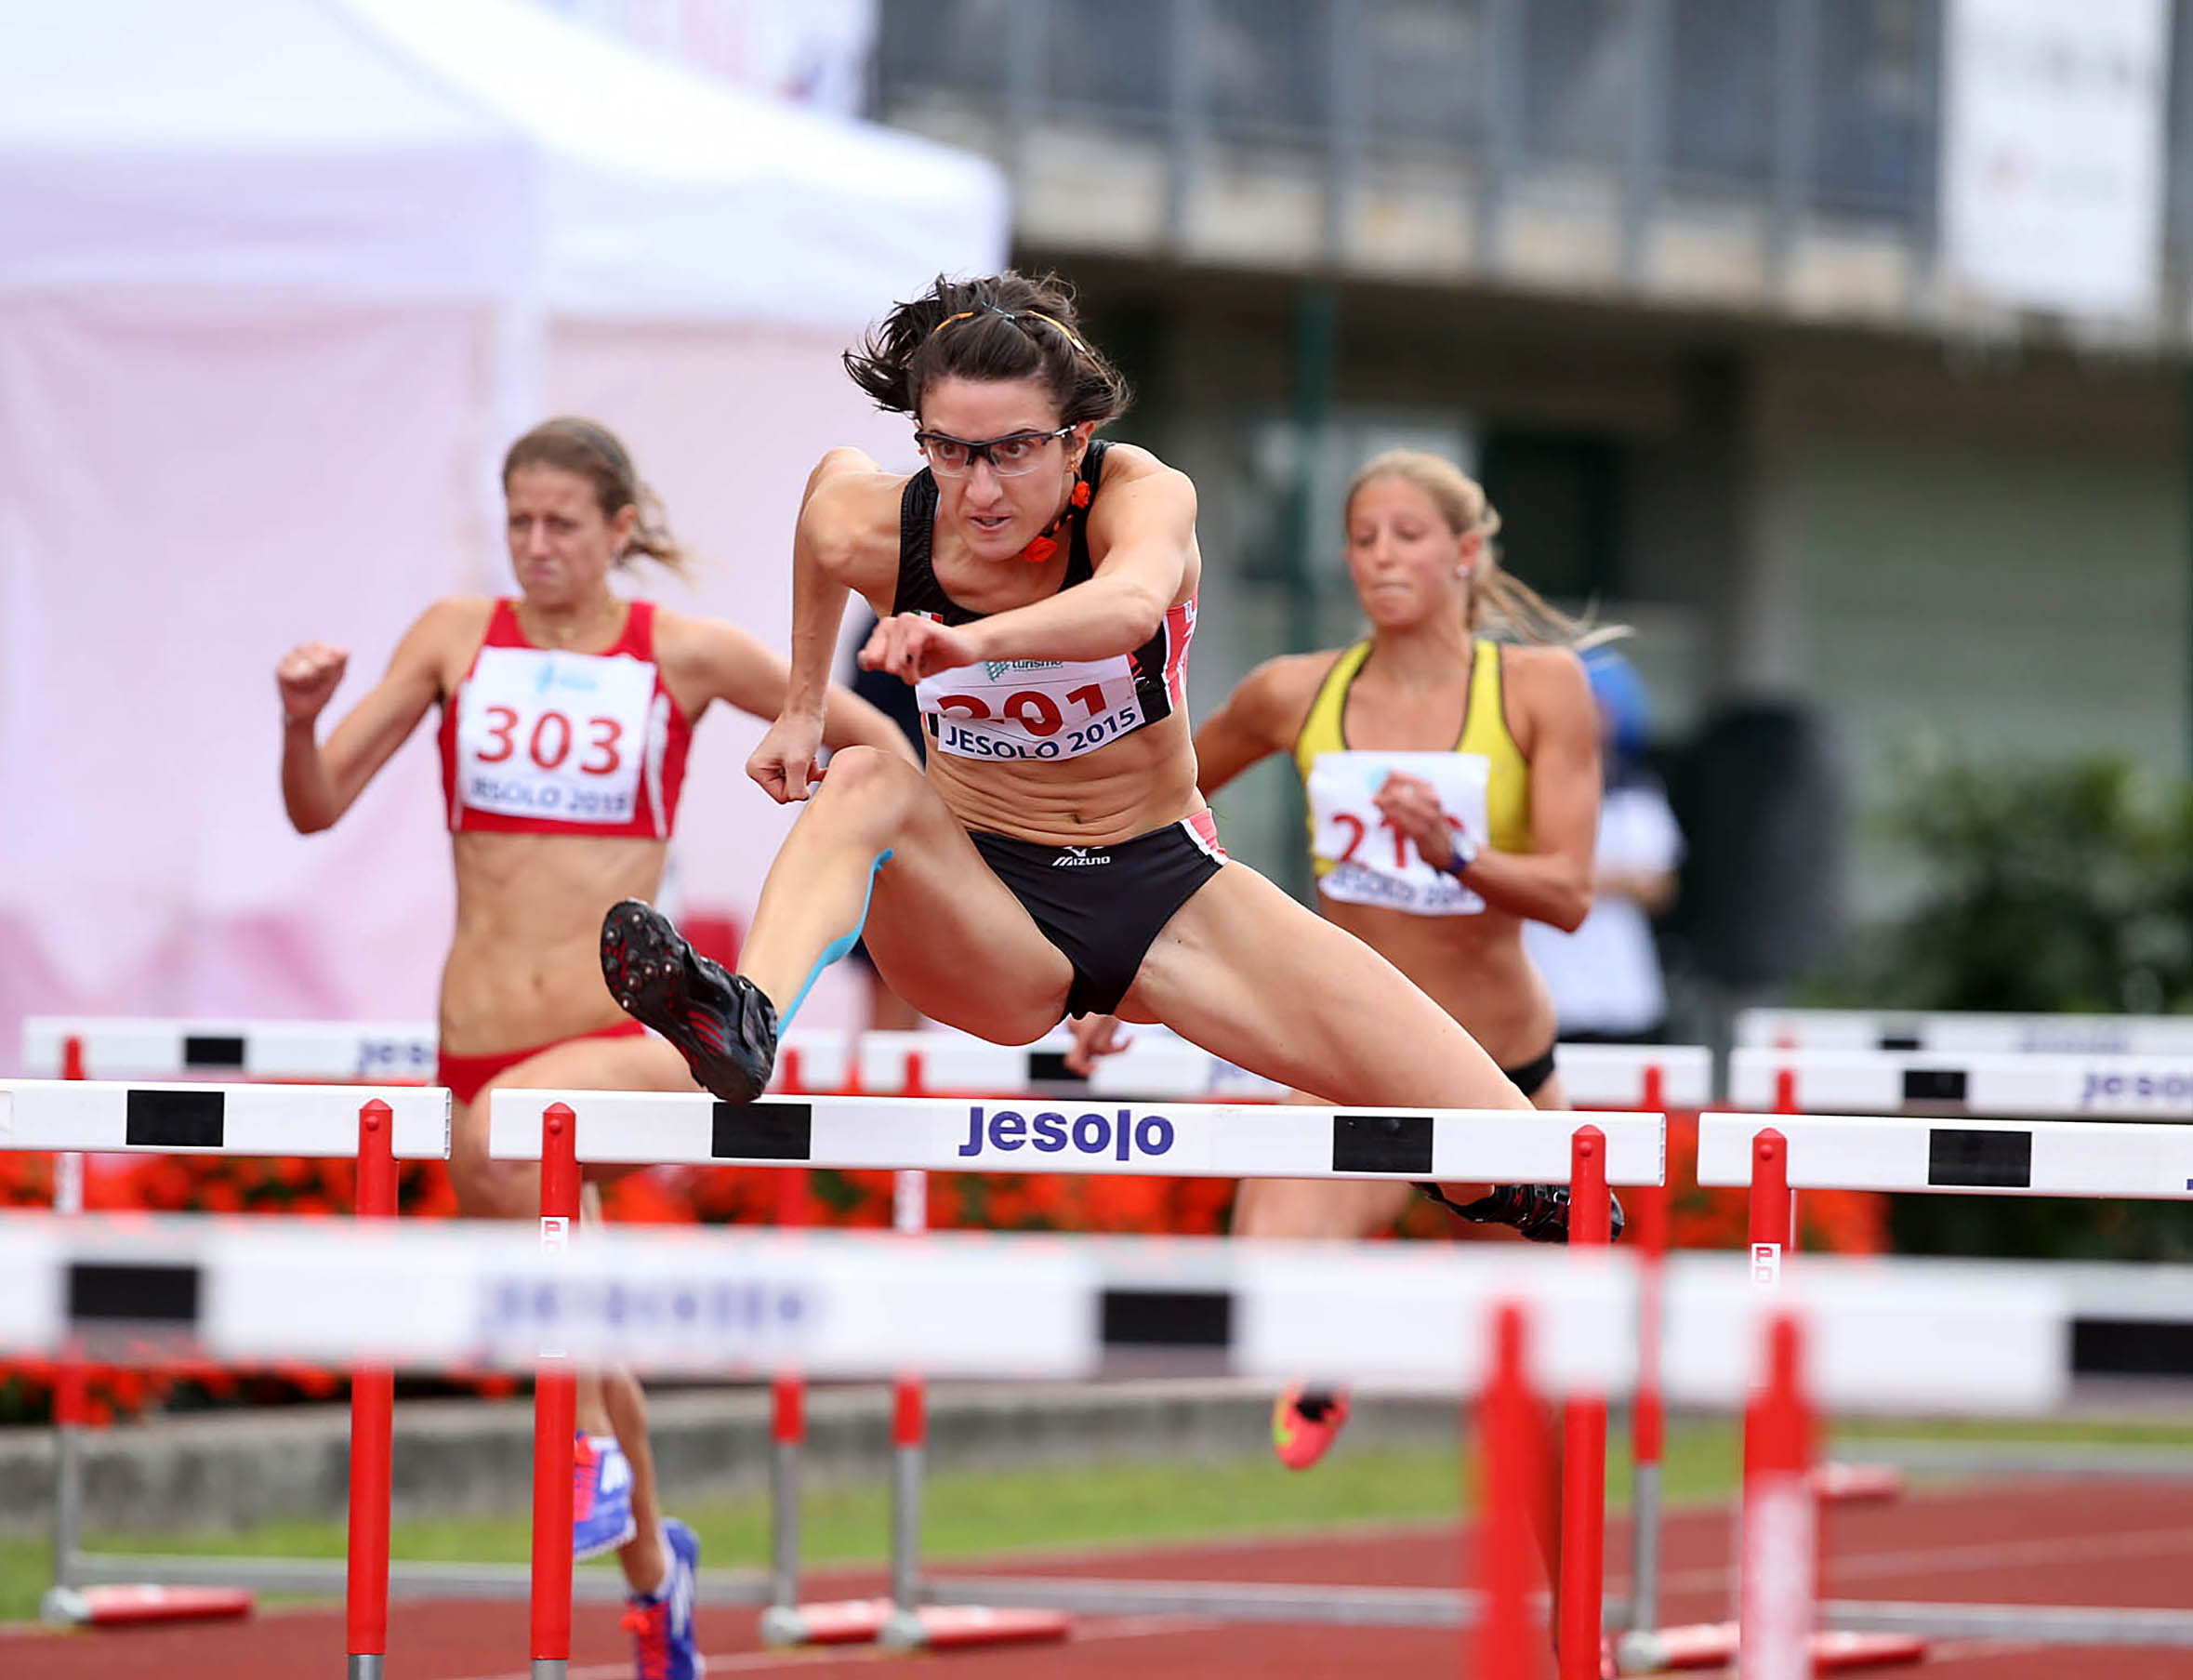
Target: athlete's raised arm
[(1261, 717), (320, 782), (721, 661), (835, 548)]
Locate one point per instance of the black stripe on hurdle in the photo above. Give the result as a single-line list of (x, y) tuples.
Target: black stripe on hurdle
[(1167, 1318), (767, 1130), (2122, 1347), (1980, 1160), (203, 1049), (1049, 1067), (1934, 1084), (175, 1119), (1382, 1143), (104, 1293)]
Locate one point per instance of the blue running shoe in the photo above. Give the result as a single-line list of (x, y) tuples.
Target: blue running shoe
[(660, 1624), (600, 1498)]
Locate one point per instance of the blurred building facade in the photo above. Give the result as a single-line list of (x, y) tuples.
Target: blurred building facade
[(1672, 275)]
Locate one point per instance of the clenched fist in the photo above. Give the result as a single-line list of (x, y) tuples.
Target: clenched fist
[(1411, 805), (308, 676), (911, 647)]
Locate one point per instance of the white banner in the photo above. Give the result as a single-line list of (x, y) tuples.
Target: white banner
[(2053, 152)]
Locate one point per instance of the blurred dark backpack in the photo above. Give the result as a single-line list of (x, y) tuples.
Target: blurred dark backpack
[(1760, 799)]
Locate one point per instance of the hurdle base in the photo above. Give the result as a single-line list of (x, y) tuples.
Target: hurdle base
[(1710, 1645), (116, 1606), (1835, 1484), (937, 1627)]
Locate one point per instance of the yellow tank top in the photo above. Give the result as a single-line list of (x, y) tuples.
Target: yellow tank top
[(1485, 733)]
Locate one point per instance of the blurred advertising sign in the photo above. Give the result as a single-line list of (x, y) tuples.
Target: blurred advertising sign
[(2053, 152)]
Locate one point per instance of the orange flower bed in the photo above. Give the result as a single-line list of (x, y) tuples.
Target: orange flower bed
[(1841, 1222)]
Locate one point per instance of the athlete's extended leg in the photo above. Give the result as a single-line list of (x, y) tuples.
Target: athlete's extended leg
[(1250, 976), (875, 846)]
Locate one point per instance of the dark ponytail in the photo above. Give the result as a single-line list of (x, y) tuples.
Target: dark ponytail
[(1003, 326)]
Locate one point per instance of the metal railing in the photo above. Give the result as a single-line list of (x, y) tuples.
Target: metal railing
[(1786, 119)]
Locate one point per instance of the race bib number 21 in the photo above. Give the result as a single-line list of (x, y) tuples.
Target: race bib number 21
[(1365, 859)]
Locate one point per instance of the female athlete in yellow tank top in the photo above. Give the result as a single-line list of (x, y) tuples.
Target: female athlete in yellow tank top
[(1453, 790), (1452, 784)]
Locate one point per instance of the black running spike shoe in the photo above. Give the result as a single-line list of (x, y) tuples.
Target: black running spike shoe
[(720, 1023), (1539, 1211)]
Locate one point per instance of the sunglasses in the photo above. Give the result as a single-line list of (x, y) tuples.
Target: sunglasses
[(1012, 455)]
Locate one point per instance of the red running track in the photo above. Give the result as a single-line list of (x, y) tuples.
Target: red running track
[(2111, 1543)]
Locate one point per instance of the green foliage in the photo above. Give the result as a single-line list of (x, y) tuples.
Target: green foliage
[(2051, 887)]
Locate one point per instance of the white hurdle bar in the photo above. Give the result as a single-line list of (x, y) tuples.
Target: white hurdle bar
[(374, 1126), (1186, 1140), (1965, 1155), (1968, 1338), (1154, 1064), (1955, 1337), (1774, 1154), (1861, 1082), (1159, 1065), (121, 1118), (717, 1303), (912, 1136), (1964, 1032), (123, 1046)]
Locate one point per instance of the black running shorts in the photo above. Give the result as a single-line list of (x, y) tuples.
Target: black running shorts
[(1104, 907), (1530, 1075)]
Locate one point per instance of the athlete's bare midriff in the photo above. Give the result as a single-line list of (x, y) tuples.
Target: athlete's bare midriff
[(1144, 781), (1474, 967), (523, 966)]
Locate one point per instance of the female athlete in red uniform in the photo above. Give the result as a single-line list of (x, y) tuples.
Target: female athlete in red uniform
[(1038, 588), (566, 711)]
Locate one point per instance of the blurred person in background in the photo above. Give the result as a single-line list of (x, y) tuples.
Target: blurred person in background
[(566, 713), (1453, 786), (1605, 974)]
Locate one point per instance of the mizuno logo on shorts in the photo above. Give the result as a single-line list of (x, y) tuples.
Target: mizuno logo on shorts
[(1081, 858)]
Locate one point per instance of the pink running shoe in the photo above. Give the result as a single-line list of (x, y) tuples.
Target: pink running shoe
[(1304, 1423)]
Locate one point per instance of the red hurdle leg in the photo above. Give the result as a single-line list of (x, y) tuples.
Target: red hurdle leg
[(555, 1416), (1769, 1206), (72, 1389), (372, 1396), (1780, 1549), (1508, 1475), (1583, 1462), (1649, 1226)]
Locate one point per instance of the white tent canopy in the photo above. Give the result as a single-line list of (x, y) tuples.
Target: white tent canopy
[(279, 280), (452, 149)]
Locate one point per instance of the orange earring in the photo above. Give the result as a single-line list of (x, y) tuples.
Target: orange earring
[(1045, 547)]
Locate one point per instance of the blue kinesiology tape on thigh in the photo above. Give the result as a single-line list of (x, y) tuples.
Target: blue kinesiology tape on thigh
[(840, 946)]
